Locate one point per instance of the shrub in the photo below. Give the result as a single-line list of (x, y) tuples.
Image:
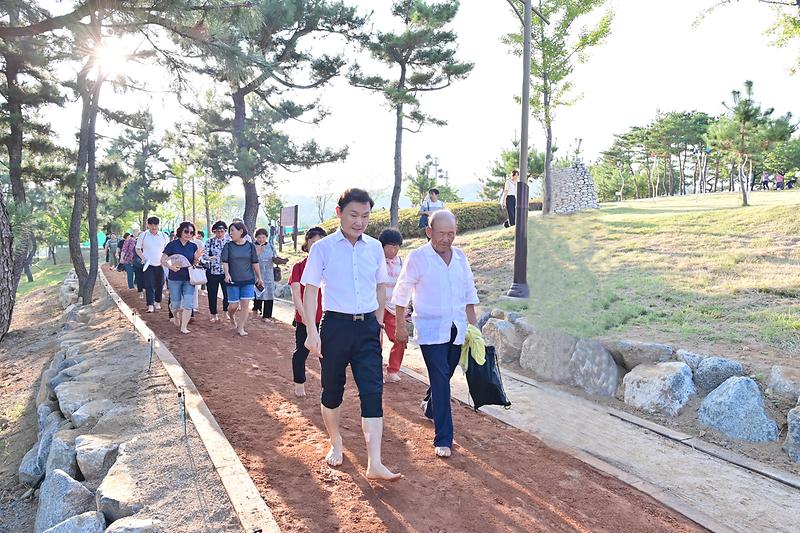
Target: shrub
[(471, 216)]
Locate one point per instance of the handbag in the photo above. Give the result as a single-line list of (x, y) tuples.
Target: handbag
[(485, 382), (423, 219), (197, 276), (276, 273), (137, 261)]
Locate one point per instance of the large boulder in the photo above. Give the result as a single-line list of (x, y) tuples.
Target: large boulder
[(95, 455), (283, 291), (115, 496), (32, 467), (792, 443), (91, 522), (60, 498), (505, 338), (133, 524), (484, 318), (547, 354), (713, 371), (88, 414), (74, 394), (630, 354), (784, 382), (736, 408), (62, 453), (692, 359), (593, 369), (660, 388), (45, 393)]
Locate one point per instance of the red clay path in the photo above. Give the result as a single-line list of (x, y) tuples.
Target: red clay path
[(499, 478)]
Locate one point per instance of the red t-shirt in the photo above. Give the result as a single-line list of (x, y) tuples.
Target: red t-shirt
[(295, 277)]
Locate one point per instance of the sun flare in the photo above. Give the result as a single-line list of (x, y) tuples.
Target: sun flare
[(111, 57)]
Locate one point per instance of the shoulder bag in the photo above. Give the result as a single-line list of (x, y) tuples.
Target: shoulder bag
[(197, 276)]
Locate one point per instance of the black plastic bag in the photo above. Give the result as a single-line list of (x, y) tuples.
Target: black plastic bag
[(485, 383)]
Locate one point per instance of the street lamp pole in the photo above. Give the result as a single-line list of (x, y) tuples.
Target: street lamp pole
[(519, 288)]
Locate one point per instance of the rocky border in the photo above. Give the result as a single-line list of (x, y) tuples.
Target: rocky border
[(654, 378), (86, 463)]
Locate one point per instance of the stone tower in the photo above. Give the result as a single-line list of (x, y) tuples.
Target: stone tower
[(573, 189)]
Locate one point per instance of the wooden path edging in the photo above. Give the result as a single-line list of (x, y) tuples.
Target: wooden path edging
[(252, 511)]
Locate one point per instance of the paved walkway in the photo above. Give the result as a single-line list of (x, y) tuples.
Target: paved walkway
[(726, 495)]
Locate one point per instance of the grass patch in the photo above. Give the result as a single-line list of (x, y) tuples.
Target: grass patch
[(45, 274)]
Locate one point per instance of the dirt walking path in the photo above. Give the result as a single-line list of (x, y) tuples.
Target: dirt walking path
[(499, 478)]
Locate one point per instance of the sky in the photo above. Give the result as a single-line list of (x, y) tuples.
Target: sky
[(654, 60)]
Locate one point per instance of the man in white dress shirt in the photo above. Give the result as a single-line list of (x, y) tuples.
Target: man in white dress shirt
[(350, 268), (439, 278)]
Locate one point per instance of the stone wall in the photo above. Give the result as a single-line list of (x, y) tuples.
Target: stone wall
[(573, 189)]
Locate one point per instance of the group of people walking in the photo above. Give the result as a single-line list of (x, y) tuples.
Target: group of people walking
[(346, 291)]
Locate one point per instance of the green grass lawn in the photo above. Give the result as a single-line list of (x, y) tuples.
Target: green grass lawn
[(686, 268), (46, 274)]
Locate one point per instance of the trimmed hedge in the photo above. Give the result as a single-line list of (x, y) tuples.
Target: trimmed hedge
[(471, 216)]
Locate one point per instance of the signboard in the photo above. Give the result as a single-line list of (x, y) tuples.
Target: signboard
[(289, 219)]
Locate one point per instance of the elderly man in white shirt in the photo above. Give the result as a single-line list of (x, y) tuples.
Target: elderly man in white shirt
[(350, 269), (439, 278), (149, 246)]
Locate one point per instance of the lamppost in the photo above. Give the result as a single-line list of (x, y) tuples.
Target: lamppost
[(519, 288), (435, 162)]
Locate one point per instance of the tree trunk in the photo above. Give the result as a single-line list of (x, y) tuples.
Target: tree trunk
[(79, 202), (742, 183), (205, 201), (245, 172), (8, 289), (394, 208), (194, 203), (86, 290)]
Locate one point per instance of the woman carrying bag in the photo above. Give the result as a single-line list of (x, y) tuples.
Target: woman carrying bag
[(179, 257), (267, 261)]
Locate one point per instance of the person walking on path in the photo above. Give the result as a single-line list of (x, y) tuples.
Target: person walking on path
[(272, 233), (300, 351), (439, 278), (508, 198), (350, 269), (181, 292), (267, 259), (111, 246), (216, 275), (392, 240), (149, 247), (242, 274), (127, 251), (779, 179)]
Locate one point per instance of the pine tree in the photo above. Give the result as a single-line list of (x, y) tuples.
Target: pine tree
[(424, 57)]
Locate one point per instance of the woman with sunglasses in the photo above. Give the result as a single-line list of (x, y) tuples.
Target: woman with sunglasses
[(215, 274), (242, 274), (181, 292)]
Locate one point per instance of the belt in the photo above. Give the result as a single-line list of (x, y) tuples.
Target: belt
[(348, 316)]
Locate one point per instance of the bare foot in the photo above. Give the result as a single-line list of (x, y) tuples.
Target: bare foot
[(392, 377), (299, 390), (443, 451), (382, 473), (334, 457), (243, 333), (185, 331)]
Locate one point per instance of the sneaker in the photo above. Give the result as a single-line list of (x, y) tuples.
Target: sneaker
[(149, 308), (392, 377), (158, 305)]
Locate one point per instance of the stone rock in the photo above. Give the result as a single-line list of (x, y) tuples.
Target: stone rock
[(91, 522), (60, 498), (713, 371), (46, 393), (283, 290), (498, 313), (30, 471), (62, 454), (690, 358), (792, 443), (72, 395), (784, 382), (483, 319), (95, 455), (629, 354), (513, 317), (42, 412), (135, 525), (593, 369), (736, 408), (115, 495), (547, 354), (90, 413), (505, 338), (660, 388)]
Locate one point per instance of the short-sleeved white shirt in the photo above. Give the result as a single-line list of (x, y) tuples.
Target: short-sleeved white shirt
[(441, 294), (152, 246), (348, 275)]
